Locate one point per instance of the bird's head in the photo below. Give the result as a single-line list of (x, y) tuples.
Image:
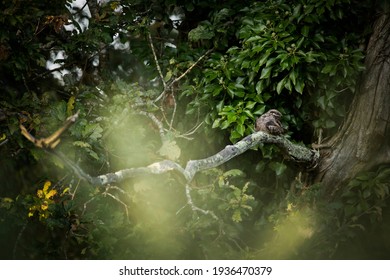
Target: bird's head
[(275, 113)]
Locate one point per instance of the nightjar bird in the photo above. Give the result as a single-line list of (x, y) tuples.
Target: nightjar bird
[(270, 122)]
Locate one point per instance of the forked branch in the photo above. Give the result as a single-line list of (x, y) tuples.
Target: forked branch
[(298, 153)]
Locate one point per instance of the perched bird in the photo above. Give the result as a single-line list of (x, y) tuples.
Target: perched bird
[(270, 122)]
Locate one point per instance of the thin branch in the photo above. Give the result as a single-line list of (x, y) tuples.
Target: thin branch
[(156, 61), (75, 190), (155, 121), (195, 208), (174, 111), (191, 67), (119, 201), (181, 76)]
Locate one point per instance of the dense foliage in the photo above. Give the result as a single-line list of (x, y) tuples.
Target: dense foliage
[(135, 73)]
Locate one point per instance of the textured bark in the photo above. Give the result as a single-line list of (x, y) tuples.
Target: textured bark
[(363, 141)]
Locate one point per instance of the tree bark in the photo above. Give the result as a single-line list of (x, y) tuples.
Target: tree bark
[(363, 143)]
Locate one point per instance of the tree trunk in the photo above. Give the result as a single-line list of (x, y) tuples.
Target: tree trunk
[(363, 141)]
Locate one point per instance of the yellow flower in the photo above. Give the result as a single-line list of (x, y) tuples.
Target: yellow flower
[(44, 193), (40, 194), (44, 205), (50, 194), (46, 186)]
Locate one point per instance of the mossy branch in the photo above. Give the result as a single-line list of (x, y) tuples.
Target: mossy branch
[(297, 153)]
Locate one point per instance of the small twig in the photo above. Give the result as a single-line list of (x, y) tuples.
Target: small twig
[(85, 204), (195, 208), (119, 201), (155, 121), (191, 131), (49, 143), (75, 190), (181, 76), (5, 141), (192, 66), (174, 111), (156, 61)]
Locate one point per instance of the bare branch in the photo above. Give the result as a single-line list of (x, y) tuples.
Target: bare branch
[(156, 61), (119, 201), (174, 111), (155, 121), (53, 140), (155, 168), (195, 208), (191, 67), (297, 153)]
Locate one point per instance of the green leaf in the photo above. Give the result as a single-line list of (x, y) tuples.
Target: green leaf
[(225, 124), (298, 103), (288, 85), (202, 32), (266, 73), (237, 216), (81, 144), (299, 86), (329, 69), (231, 90), (329, 124), (259, 110), (239, 86), (233, 173), (220, 105), (231, 117), (260, 86), (278, 167), (281, 85), (264, 59), (93, 154), (293, 76), (321, 102), (92, 131), (305, 30), (249, 113), (297, 11), (319, 38), (216, 123), (270, 61), (300, 42), (240, 129), (250, 104)]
